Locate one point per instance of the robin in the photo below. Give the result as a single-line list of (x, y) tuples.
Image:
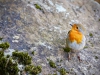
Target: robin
[(75, 39)]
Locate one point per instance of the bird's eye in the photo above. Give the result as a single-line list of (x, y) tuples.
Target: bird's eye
[(77, 27)]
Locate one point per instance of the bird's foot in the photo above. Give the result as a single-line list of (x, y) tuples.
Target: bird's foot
[(79, 58), (69, 57)]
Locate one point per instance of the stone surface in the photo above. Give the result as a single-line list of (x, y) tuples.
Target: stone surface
[(44, 31)]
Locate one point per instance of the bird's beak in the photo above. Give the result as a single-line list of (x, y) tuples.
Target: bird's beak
[(71, 24)]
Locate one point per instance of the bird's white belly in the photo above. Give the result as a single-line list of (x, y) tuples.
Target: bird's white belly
[(77, 46)]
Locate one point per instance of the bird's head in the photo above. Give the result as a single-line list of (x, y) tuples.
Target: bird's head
[(78, 27)]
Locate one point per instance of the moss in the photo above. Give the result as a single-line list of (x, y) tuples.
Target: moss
[(3, 61), (91, 35), (34, 70), (99, 19), (12, 68), (1, 38), (52, 74), (1, 54), (9, 64), (52, 64), (37, 6), (85, 47), (22, 57), (92, 44), (28, 67), (63, 71), (33, 52), (55, 74), (66, 49), (4, 45), (48, 59), (61, 60), (8, 56), (96, 57), (7, 67)]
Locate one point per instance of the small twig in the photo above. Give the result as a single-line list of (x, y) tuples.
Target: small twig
[(7, 62)]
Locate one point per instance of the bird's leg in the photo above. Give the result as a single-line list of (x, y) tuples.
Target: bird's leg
[(69, 56), (78, 57), (73, 53)]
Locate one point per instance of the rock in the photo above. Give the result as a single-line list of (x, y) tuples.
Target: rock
[(9, 52), (16, 37), (44, 31), (15, 41)]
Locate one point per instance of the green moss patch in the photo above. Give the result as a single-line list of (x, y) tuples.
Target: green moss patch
[(9, 64), (34, 70), (63, 71), (7, 67), (96, 57), (4, 45), (1, 54), (1, 38), (37, 6), (99, 19), (22, 57), (52, 64), (91, 35), (66, 49), (33, 52)]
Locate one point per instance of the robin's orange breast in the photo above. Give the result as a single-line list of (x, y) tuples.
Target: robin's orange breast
[(75, 36)]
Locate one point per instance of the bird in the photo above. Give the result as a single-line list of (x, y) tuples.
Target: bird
[(75, 40)]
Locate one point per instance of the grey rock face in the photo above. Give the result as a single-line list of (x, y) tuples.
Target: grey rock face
[(44, 30)]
